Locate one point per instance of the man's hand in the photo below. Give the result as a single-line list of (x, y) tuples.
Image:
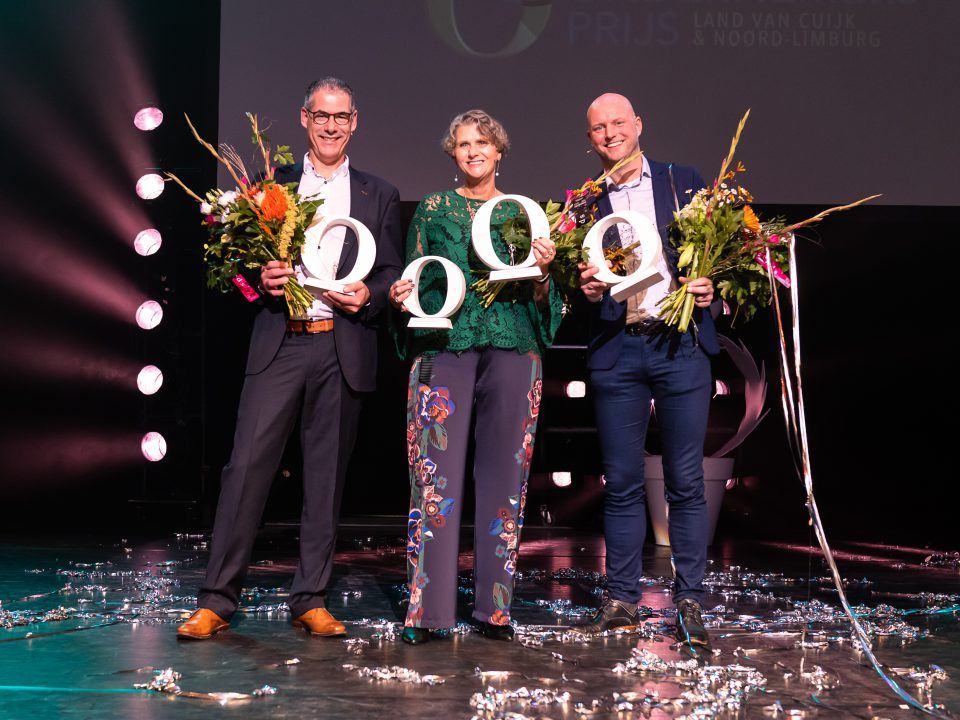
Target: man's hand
[(592, 289), (350, 304), (273, 276), (701, 289), (399, 292)]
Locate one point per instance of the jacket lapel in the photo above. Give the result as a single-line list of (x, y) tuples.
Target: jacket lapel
[(289, 173), (664, 203)]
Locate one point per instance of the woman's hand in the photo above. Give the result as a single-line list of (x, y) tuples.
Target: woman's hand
[(701, 289), (544, 251), (399, 292)]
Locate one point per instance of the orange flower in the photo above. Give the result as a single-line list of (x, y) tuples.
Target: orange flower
[(274, 205), (750, 220)]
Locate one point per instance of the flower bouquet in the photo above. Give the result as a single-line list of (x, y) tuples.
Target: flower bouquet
[(258, 221), (569, 225), (718, 235)]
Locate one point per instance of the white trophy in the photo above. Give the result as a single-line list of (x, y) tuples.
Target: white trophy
[(311, 255), (483, 243), (651, 249), (456, 292)]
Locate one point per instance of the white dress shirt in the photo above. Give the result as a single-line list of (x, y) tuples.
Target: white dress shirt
[(335, 193), (638, 195)]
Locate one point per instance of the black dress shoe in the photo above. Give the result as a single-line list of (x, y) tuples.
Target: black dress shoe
[(415, 635), (690, 628), (495, 632), (613, 614)]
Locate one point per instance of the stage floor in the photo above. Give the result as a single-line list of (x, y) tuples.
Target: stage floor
[(783, 649)]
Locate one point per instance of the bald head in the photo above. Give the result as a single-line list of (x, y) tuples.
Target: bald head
[(611, 102), (614, 130)]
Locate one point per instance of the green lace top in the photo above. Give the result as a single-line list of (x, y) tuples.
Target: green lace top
[(442, 226)]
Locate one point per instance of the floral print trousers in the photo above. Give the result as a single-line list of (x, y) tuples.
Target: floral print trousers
[(503, 387)]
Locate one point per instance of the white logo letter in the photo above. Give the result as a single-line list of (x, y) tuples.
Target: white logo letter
[(456, 292), (483, 242), (651, 251)]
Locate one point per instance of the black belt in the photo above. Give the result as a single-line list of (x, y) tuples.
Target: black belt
[(646, 327)]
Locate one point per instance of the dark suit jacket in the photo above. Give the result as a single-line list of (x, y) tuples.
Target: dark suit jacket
[(376, 204), (608, 317)]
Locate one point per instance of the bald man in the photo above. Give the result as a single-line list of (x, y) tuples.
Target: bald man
[(632, 358)]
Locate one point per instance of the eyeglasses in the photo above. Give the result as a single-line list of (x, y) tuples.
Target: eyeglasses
[(320, 117)]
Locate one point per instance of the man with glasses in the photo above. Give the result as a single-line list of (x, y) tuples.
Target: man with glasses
[(317, 367)]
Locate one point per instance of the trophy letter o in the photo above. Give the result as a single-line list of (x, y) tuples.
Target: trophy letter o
[(310, 255), (456, 292), (483, 243), (651, 249)]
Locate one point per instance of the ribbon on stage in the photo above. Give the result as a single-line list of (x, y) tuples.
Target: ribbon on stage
[(791, 391)]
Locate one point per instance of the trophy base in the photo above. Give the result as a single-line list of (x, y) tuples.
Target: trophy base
[(528, 273), (430, 323), (621, 291), (332, 285)]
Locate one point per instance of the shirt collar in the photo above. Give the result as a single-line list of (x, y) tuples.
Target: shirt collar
[(633, 184), (343, 169)]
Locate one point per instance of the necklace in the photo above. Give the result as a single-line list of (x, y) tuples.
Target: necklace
[(461, 191)]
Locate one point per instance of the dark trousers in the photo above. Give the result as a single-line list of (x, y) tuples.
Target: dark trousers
[(675, 373), (504, 388), (303, 378)]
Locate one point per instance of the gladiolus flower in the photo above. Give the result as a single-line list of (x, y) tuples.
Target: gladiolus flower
[(568, 224), (227, 198)]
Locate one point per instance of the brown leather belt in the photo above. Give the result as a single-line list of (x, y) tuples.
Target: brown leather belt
[(652, 326), (309, 327)]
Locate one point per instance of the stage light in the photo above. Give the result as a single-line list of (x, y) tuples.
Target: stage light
[(720, 388), (153, 446), (150, 186), (147, 242), (149, 314), (576, 389), (561, 479), (148, 118), (149, 379)]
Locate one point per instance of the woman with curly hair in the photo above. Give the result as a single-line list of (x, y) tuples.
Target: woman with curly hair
[(488, 364)]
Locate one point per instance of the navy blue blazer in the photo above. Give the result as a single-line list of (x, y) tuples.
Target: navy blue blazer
[(673, 186), (375, 203)]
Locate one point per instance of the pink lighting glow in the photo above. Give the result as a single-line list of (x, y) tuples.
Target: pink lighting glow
[(149, 314), (148, 118), (150, 186), (149, 379), (147, 242), (153, 446), (57, 263)]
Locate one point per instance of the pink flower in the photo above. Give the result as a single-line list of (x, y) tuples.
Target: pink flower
[(568, 224)]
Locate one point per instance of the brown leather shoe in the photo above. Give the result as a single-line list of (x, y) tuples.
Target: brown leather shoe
[(320, 622), (202, 625)]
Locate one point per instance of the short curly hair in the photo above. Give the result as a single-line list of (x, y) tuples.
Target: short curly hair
[(488, 126)]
